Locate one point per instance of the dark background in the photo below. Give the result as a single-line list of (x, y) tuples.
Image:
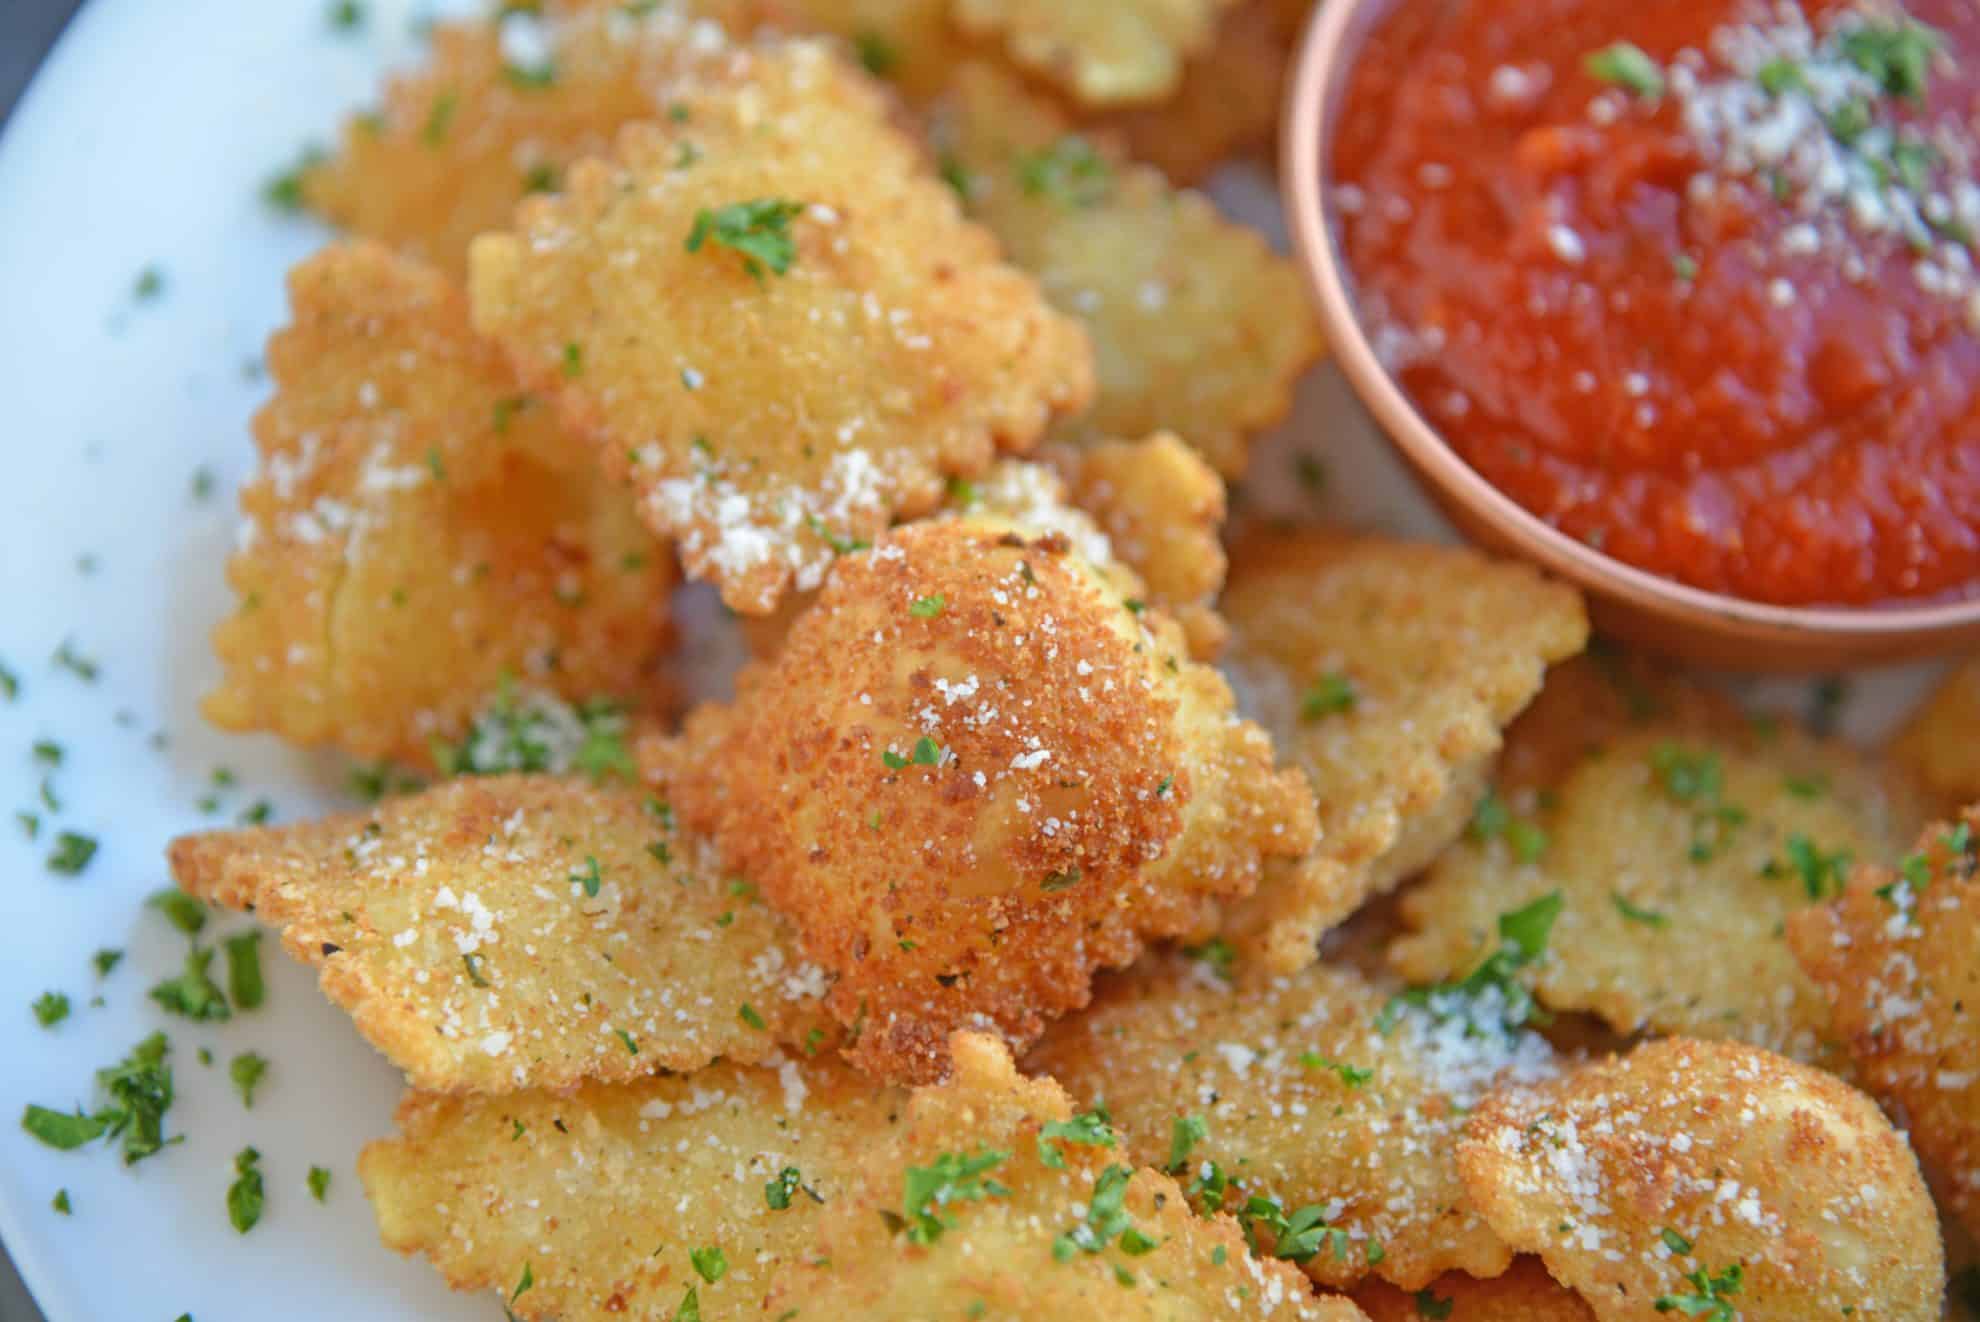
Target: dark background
[(27, 29)]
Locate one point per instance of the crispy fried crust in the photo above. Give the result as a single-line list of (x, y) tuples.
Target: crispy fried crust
[(1524, 1294), (1940, 742), (1256, 1061), (602, 1194), (1100, 52), (1197, 326), (1674, 899), (1900, 965), (996, 1259), (765, 419), (1438, 648), (419, 528), (1628, 1175), (455, 927), (974, 774)]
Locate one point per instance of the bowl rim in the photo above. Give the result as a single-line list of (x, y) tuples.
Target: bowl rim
[(1327, 50)]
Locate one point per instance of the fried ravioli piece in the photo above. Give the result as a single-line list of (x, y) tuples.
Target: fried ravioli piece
[(1678, 857), (489, 935), (1303, 1098), (499, 110), (1386, 671), (586, 1206), (1228, 102), (770, 315), (1100, 52), (1710, 1171), (992, 1201), (1898, 956), (418, 528), (974, 774), (1198, 327), (1526, 1293), (1940, 742)]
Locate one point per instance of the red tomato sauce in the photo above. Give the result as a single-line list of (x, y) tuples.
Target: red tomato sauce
[(1708, 301)]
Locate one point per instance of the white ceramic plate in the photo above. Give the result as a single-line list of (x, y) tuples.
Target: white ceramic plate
[(143, 144)]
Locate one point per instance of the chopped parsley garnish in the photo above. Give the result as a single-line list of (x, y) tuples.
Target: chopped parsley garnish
[(1070, 172), (47, 752), (530, 77), (1781, 75), (1089, 1128), (840, 545), (749, 1016), (10, 683), (1492, 819), (538, 178), (50, 1008), (284, 192), (877, 55), (472, 961), (1298, 1236), (1709, 1295), (777, 1193), (1429, 1306), (1218, 953), (1329, 695), (105, 960), (1697, 780), (247, 1071), (1107, 1220), (1822, 873), (72, 853), (180, 909), (346, 16), (1806, 787), (573, 358), (1523, 935), (1625, 65), (59, 1129), (380, 779), (1897, 55), (954, 1177), (319, 1183), (631, 1044), (244, 982), (193, 993), (523, 1283), (1636, 914), (589, 879), (759, 231), (149, 285), (1184, 1134), (710, 1263), (927, 608), (82, 667), (61, 1203), (1353, 1076), (1060, 880), (1675, 1242), (138, 1093)]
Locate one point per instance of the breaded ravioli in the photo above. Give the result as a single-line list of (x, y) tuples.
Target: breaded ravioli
[(418, 528), (1678, 855), (1198, 327), (994, 1201), (1100, 52), (1386, 671), (1689, 1174), (769, 314), (490, 935), (975, 773), (1526, 1293), (1308, 1091), (628, 1200), (1898, 956)]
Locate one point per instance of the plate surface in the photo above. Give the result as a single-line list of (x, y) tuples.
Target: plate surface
[(143, 145)]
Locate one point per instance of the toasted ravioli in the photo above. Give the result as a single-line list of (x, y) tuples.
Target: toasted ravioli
[(500, 109), (418, 528), (1526, 1293), (587, 1206), (1230, 97), (490, 935), (1303, 1099), (1678, 857), (984, 1205), (1709, 1171), (1898, 957), (770, 315), (1386, 671), (1198, 327), (1100, 52), (1940, 742), (975, 773)]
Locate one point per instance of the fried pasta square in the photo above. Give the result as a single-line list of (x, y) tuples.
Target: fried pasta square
[(994, 1201), (1100, 52), (1307, 1091), (1385, 671), (1677, 856), (490, 935), (418, 528), (1198, 327), (629, 1199), (1688, 1175), (770, 315), (1898, 957), (974, 773)]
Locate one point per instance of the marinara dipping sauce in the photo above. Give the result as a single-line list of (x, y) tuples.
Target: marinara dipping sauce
[(1692, 280)]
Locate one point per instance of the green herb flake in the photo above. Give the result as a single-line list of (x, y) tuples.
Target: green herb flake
[(710, 1263), (76, 663), (1184, 1134), (180, 909), (1898, 55), (1060, 880), (61, 1203), (1675, 1242), (953, 1177), (573, 359), (1329, 695), (244, 1196), (589, 880), (1709, 1296), (927, 608), (1069, 171), (1088, 1128), (1636, 914), (777, 1193), (1781, 75), (193, 993), (244, 984), (523, 1283), (10, 683), (1429, 1306), (749, 1016), (759, 231), (1218, 953), (346, 16), (319, 1183), (106, 959), (149, 284), (631, 1044), (1352, 1076), (439, 118), (72, 854), (247, 1070), (1625, 65), (877, 55), (50, 1008), (60, 1130)]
